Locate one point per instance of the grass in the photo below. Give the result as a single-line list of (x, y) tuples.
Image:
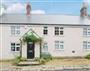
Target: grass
[(58, 62), (69, 62)]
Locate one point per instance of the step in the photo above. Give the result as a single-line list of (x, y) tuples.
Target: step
[(24, 63), (30, 60)]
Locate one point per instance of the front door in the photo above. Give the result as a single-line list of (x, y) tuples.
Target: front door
[(30, 50)]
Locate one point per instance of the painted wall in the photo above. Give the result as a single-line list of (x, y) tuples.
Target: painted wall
[(73, 41)]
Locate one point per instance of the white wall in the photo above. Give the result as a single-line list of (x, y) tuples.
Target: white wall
[(73, 40)]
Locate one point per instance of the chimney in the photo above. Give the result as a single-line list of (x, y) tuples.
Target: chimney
[(83, 11), (28, 9)]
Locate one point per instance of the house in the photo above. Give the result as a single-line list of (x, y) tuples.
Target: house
[(61, 36)]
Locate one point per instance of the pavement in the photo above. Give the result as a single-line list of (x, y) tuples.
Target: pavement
[(45, 68), (55, 65)]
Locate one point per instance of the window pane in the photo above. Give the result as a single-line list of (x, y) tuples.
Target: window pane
[(84, 31), (18, 32), (45, 47), (17, 27), (57, 32), (61, 27), (56, 44), (88, 45), (12, 48), (61, 32), (12, 27), (61, 46), (45, 30), (56, 28), (12, 44), (18, 44), (17, 48), (85, 44), (15, 30)]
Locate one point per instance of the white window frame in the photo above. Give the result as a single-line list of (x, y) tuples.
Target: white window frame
[(86, 45), (45, 47), (59, 45), (15, 30), (86, 32), (59, 30), (15, 46), (45, 28)]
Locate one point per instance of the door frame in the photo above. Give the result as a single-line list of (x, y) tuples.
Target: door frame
[(33, 49)]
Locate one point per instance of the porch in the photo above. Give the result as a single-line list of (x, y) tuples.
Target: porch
[(30, 45)]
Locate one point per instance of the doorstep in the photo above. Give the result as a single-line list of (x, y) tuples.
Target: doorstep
[(29, 62)]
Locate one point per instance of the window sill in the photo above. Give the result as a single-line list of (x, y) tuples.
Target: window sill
[(59, 50), (86, 36), (45, 35), (58, 35), (15, 51), (86, 50), (15, 35)]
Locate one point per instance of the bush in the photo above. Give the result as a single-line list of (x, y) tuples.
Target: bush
[(37, 59), (46, 56), (17, 60), (42, 61), (23, 59), (87, 56)]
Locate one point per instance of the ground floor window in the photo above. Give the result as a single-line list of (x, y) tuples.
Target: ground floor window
[(45, 47), (86, 45), (59, 45), (15, 46)]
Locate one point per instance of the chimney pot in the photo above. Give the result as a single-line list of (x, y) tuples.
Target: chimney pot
[(28, 9)]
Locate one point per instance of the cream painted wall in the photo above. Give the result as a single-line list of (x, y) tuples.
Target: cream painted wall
[(73, 41)]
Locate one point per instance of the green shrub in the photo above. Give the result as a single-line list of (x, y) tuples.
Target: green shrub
[(37, 59), (42, 61), (87, 56), (23, 59), (46, 56), (17, 60)]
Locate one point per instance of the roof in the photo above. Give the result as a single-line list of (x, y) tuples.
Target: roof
[(43, 19)]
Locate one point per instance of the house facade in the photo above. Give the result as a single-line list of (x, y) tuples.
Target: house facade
[(62, 36)]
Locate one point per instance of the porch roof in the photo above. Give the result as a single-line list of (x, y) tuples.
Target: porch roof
[(31, 36)]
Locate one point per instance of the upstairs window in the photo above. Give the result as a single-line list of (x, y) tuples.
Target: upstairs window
[(86, 45), (86, 32), (59, 31), (15, 47), (45, 30), (56, 30), (15, 30)]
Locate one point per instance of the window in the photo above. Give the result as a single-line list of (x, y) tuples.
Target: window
[(86, 45), (45, 47), (56, 30), (15, 46), (59, 31), (59, 45), (86, 31), (15, 30), (45, 30)]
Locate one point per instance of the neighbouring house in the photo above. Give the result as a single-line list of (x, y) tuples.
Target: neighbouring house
[(59, 35)]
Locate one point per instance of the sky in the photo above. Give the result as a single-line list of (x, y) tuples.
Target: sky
[(45, 6)]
